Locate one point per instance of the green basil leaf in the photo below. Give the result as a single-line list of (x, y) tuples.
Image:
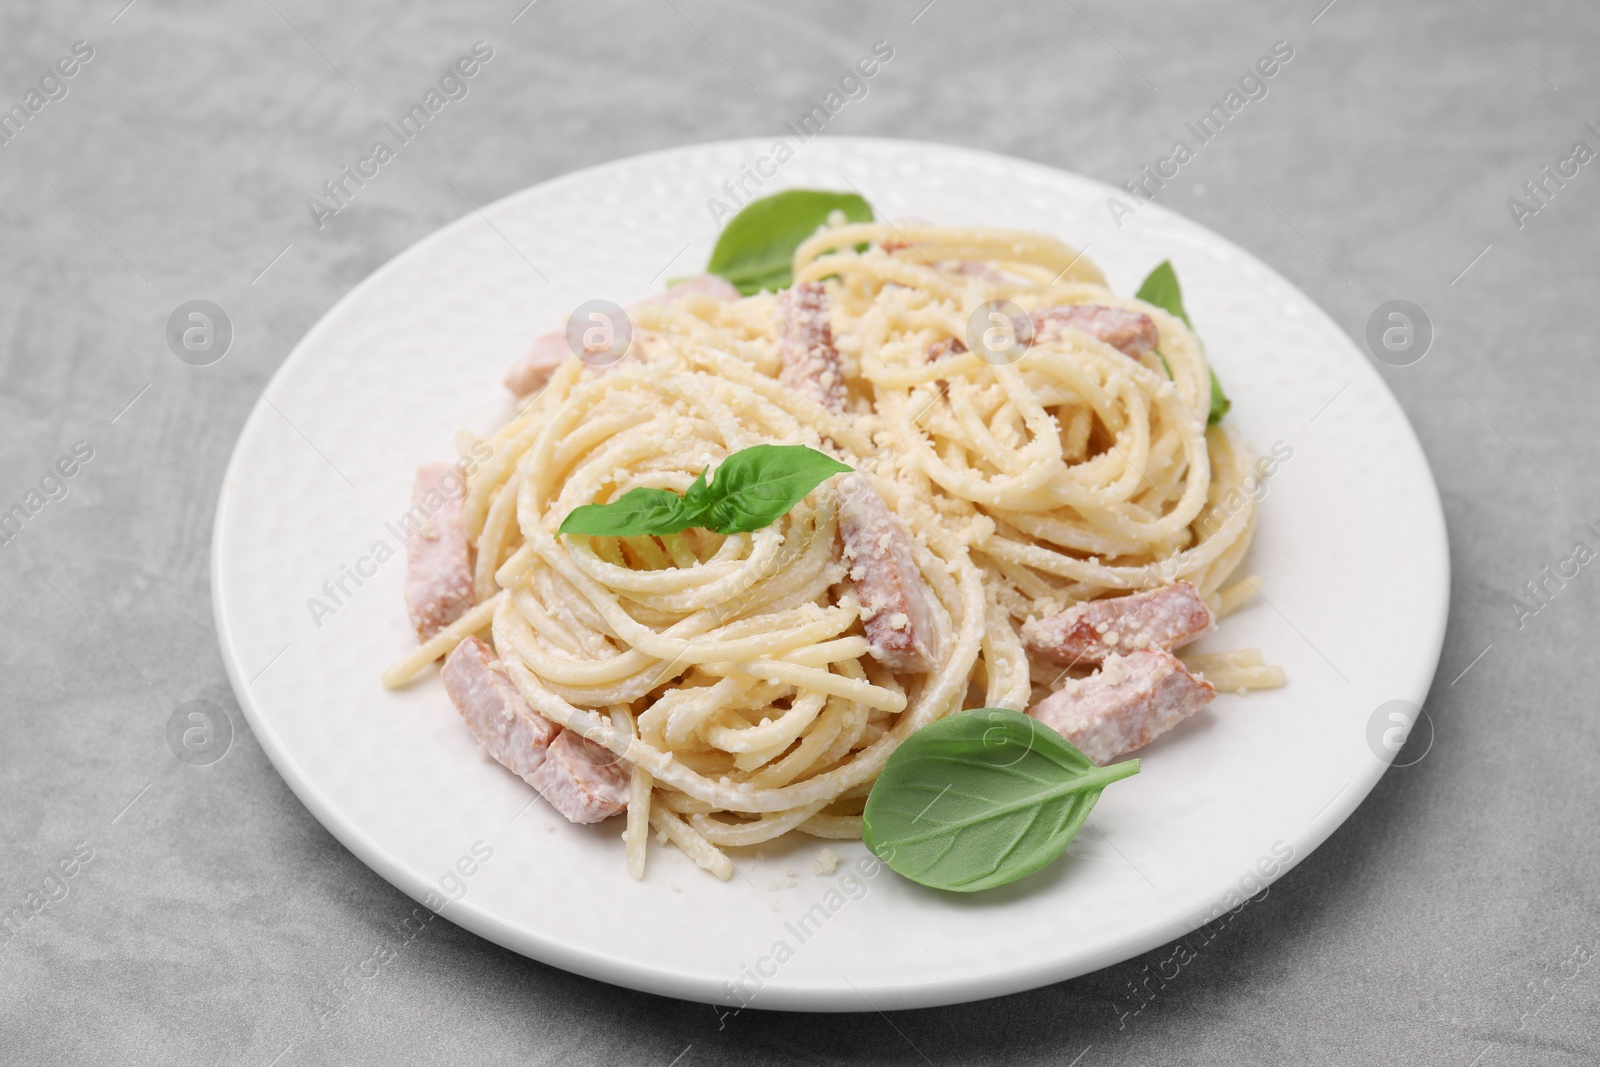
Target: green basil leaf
[(1161, 288), (755, 486), (634, 513), (756, 249), (1219, 403), (981, 799), (752, 488), (698, 496)]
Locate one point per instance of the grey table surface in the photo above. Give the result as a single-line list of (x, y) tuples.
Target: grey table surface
[(207, 916)]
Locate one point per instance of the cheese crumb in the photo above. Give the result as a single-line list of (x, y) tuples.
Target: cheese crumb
[(825, 862)]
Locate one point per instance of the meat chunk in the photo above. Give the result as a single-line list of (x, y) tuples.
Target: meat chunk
[(584, 781), (809, 362), (1128, 703), (712, 285), (580, 779), (495, 712), (534, 368), (1089, 632), (438, 572), (896, 604), (1131, 332)]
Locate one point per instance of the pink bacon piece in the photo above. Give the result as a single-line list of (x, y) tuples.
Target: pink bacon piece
[(895, 601), (584, 781), (809, 362), (535, 366), (495, 712), (712, 285), (1131, 332), (1128, 703), (1089, 632), (580, 779), (438, 571)]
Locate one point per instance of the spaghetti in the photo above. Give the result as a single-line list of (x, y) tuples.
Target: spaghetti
[(732, 674)]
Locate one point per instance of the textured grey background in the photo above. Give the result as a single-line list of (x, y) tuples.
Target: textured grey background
[(1446, 922)]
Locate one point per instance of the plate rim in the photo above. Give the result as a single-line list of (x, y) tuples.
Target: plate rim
[(792, 995)]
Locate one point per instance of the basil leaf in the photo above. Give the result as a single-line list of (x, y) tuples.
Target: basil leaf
[(752, 488), (981, 799), (636, 512), (755, 486), (1219, 403), (698, 496), (1161, 288), (756, 249)]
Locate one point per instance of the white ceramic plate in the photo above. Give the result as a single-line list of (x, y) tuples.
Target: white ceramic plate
[(1351, 549)]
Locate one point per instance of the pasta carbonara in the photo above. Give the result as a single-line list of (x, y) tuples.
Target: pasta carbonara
[(1024, 442)]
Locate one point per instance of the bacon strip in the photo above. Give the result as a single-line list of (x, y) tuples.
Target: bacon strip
[(712, 285), (494, 711), (895, 601), (584, 781), (544, 356), (535, 366), (438, 572), (1089, 632), (1128, 703), (809, 362), (1131, 332)]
